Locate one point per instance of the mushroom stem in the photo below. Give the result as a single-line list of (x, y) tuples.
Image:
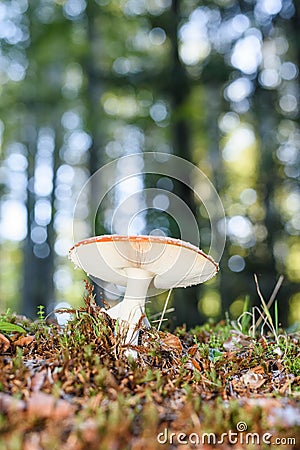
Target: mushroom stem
[(132, 307)]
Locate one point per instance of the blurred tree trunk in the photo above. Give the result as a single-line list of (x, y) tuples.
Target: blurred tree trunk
[(178, 89), (38, 271), (262, 260), (93, 92)]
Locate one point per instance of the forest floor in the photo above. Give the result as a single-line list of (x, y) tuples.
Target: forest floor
[(216, 386)]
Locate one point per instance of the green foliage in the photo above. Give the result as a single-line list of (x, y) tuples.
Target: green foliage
[(7, 327), (41, 313)]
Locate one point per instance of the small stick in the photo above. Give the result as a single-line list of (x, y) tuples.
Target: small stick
[(164, 310), (273, 296)]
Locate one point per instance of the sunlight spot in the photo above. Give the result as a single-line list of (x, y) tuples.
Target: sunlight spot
[(74, 8), (62, 246), (17, 162), (289, 71), (13, 220), (269, 78), (158, 111), (43, 180), (241, 138), (42, 212), (246, 54), (293, 202), (229, 121), (210, 304), (288, 103), (62, 279), (240, 23), (270, 6), (38, 235), (239, 89), (41, 250), (194, 41), (248, 196), (239, 229), (287, 154), (237, 307), (157, 36), (70, 120), (161, 201), (236, 263)]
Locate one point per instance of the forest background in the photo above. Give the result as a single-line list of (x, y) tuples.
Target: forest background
[(84, 82)]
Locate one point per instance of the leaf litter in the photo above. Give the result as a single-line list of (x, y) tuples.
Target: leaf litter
[(73, 387)]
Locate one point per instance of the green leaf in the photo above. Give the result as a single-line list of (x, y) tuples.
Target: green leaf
[(11, 328)]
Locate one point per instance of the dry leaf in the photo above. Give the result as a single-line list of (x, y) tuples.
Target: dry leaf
[(196, 364), (192, 350), (24, 340), (236, 341), (252, 379), (4, 343), (172, 342)]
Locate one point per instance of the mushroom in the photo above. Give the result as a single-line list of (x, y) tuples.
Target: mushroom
[(141, 263)]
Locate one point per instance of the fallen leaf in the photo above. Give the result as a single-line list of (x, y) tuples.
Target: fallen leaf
[(252, 379), (172, 342), (236, 341), (192, 350), (196, 364), (4, 343), (24, 340)]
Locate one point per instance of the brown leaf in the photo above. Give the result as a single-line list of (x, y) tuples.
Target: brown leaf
[(236, 341), (252, 379), (192, 350), (4, 343), (172, 342), (258, 369), (24, 340), (196, 364)]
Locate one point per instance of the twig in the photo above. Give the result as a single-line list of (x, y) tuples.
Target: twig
[(273, 296), (164, 310)]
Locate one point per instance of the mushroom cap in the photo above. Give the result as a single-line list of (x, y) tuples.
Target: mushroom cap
[(171, 262)]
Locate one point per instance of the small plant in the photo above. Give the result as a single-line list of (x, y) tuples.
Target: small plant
[(41, 313)]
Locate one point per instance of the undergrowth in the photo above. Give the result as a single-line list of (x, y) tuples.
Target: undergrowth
[(74, 387)]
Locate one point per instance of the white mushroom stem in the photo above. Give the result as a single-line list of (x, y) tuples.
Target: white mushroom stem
[(130, 310)]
